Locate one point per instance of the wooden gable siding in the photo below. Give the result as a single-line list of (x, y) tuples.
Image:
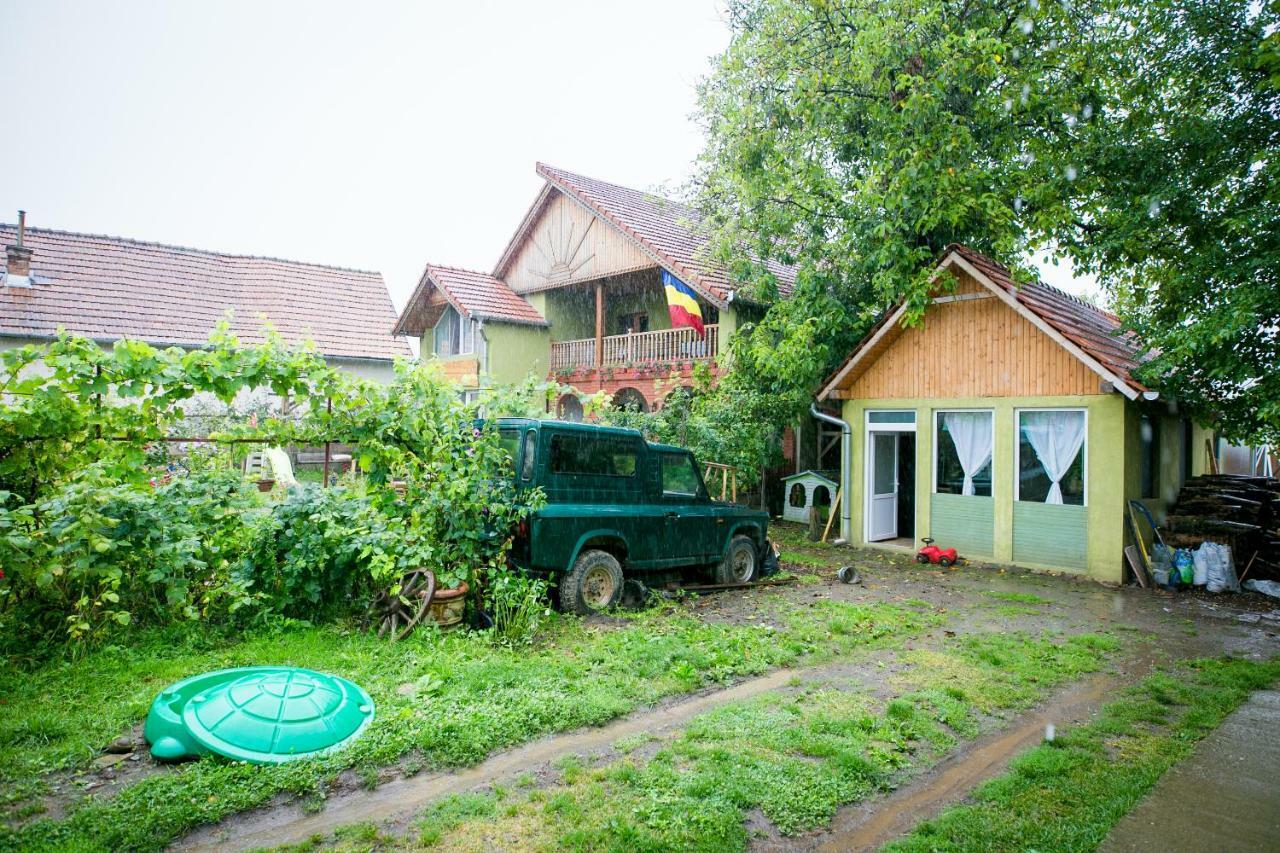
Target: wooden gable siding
[(568, 244), (970, 348)]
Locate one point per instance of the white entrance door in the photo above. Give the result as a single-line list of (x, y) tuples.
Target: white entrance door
[(883, 486)]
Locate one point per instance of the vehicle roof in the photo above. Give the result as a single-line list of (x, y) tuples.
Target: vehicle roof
[(570, 426), (671, 448)]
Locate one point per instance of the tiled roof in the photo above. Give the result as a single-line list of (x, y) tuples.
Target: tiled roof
[(109, 288), (475, 294), (670, 232), (1093, 330)]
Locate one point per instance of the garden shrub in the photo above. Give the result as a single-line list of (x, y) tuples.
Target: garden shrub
[(310, 554), (101, 527)]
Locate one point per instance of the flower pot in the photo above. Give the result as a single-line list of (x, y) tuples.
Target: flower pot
[(266, 484), (447, 606)]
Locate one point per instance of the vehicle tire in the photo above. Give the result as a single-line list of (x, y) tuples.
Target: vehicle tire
[(592, 585), (921, 558), (740, 563), (945, 562)]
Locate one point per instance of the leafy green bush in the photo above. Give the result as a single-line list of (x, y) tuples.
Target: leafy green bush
[(313, 551), (109, 553), (92, 541)]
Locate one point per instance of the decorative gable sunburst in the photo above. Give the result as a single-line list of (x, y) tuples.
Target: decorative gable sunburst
[(560, 245)]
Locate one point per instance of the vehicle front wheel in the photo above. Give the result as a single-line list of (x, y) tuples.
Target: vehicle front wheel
[(593, 584), (741, 562)]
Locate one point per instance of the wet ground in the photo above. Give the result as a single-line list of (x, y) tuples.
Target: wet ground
[(1223, 798), (1153, 628)]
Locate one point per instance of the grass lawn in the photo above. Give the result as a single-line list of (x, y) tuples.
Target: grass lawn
[(795, 756), (1067, 794), (443, 700)]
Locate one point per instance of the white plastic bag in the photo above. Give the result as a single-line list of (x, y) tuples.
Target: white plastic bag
[(1200, 558), (1221, 569), (1271, 588)]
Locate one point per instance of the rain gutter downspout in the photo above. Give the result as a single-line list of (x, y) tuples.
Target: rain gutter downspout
[(846, 469)]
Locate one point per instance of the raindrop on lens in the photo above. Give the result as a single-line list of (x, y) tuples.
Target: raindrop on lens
[(1071, 173), (1153, 208), (1087, 112), (1026, 26), (1017, 204)]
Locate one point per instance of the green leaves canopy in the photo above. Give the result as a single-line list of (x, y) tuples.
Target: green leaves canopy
[(858, 138)]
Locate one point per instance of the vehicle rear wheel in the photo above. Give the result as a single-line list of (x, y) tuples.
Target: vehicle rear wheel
[(593, 584), (741, 562)]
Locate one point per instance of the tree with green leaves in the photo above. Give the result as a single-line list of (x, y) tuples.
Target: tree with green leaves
[(858, 138)]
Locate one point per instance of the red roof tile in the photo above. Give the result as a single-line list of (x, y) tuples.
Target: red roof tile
[(1093, 330), (109, 288), (669, 231), (475, 294)]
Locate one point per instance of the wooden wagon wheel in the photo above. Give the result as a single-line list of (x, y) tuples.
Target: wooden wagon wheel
[(399, 614)]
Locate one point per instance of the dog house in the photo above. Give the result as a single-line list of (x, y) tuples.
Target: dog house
[(805, 490)]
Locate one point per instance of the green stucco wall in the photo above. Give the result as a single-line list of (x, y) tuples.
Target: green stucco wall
[(572, 311), (515, 351), (1099, 536), (964, 522)]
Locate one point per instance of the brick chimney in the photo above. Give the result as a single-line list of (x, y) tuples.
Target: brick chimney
[(18, 255)]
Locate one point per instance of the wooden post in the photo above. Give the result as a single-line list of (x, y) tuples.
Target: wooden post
[(831, 512), (599, 324), (328, 429)]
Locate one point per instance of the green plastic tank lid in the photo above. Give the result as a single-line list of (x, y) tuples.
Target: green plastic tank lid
[(271, 716)]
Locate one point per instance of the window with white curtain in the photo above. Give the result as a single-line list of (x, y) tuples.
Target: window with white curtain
[(1051, 453), (453, 334), (962, 451)]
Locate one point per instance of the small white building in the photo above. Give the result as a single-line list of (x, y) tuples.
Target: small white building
[(805, 490)]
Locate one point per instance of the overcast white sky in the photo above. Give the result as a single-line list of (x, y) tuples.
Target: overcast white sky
[(377, 135)]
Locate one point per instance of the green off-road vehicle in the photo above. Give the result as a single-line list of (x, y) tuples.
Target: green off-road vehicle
[(619, 506)]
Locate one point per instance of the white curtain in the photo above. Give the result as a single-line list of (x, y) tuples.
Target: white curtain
[(1056, 437), (971, 434)]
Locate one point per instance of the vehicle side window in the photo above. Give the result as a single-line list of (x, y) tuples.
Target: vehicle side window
[(680, 476), (603, 457), (529, 453)]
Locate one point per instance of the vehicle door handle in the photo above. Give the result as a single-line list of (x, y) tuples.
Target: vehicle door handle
[(672, 515)]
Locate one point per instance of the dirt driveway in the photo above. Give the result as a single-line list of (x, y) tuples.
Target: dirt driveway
[(1154, 628)]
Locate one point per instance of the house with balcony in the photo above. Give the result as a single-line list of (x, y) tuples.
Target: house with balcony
[(577, 295)]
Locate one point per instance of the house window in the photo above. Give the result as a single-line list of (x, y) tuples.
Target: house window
[(454, 335), (1149, 460), (1051, 454), (963, 448)]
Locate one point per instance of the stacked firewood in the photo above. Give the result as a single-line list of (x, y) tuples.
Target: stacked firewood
[(1242, 512)]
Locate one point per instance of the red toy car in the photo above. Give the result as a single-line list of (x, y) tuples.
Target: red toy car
[(931, 553)]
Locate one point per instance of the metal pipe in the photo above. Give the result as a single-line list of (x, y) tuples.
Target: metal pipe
[(22, 226), (846, 470)]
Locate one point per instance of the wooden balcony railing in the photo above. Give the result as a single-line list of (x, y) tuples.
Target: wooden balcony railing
[(665, 346)]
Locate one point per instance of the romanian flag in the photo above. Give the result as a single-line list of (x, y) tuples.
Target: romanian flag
[(682, 303)]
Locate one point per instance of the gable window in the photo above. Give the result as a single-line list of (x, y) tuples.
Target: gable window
[(454, 335), (1051, 454), (962, 447)]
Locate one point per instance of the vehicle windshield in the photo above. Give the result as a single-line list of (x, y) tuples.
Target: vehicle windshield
[(680, 475), (510, 441)]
